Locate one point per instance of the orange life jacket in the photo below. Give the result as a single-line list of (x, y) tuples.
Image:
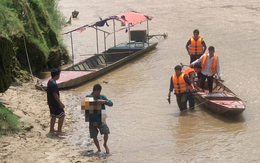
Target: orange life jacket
[(187, 71), (214, 63), (196, 47), (179, 83)]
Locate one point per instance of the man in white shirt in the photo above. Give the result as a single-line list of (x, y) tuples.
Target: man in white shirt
[(210, 66)]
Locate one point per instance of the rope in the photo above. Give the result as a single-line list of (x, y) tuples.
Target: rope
[(27, 56)]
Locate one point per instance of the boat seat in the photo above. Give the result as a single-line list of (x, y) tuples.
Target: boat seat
[(100, 66), (220, 96)]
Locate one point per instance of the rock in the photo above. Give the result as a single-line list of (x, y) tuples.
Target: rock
[(6, 62), (27, 126), (75, 14)]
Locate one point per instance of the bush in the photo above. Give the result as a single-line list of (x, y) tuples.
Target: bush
[(9, 122)]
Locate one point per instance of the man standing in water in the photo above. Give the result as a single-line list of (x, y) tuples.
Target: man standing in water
[(54, 102), (191, 73), (180, 82), (196, 46), (210, 66), (93, 125)]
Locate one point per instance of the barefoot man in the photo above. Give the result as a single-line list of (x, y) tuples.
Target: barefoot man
[(54, 102), (94, 126)]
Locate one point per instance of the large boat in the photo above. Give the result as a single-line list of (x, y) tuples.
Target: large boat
[(111, 58), (221, 101)]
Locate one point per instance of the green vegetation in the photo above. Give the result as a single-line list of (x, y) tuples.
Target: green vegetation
[(56, 17), (39, 23), (9, 122)]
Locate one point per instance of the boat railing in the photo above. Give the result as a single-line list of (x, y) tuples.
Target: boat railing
[(158, 36)]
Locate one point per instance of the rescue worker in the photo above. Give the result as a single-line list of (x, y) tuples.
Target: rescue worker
[(192, 73), (179, 81), (210, 66), (196, 46)]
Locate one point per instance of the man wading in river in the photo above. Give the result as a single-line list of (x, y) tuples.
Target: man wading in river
[(180, 82)]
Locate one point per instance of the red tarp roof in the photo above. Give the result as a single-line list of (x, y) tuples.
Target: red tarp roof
[(132, 17)]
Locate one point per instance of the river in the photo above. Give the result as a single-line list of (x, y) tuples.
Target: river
[(143, 126)]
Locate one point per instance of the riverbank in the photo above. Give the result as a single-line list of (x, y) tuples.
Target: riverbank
[(36, 145)]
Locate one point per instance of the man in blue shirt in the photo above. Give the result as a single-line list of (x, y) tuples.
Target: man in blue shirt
[(103, 128)]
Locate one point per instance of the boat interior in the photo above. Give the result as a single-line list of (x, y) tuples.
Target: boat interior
[(98, 61)]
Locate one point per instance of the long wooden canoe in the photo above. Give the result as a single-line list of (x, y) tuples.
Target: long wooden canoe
[(222, 100), (99, 64)]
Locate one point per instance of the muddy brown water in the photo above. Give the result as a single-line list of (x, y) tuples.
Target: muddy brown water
[(144, 127)]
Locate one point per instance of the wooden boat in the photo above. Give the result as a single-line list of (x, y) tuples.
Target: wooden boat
[(222, 100), (101, 63), (97, 65)]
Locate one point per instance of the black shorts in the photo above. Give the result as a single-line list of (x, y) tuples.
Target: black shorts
[(103, 128), (57, 112)]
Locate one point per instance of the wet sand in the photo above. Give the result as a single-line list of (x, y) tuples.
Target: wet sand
[(37, 145)]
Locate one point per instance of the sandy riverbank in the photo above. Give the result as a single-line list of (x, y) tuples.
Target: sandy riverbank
[(37, 145)]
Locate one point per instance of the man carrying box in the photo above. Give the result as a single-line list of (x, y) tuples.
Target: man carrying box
[(94, 115)]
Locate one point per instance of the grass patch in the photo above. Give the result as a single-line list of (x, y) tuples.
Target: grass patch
[(56, 17), (9, 122)]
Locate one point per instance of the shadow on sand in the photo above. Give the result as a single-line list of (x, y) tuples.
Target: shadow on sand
[(91, 153), (55, 136)]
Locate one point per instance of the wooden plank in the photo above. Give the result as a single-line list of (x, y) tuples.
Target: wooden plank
[(81, 67), (98, 60), (76, 68), (221, 98), (102, 59), (90, 64), (94, 62), (86, 66)]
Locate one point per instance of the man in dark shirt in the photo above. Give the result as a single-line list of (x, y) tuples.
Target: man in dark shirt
[(179, 81), (55, 105)]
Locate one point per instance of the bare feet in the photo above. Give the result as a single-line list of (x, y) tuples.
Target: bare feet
[(107, 149)]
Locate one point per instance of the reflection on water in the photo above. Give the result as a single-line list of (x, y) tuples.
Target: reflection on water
[(144, 127)]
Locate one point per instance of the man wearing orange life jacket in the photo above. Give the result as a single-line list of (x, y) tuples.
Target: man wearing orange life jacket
[(196, 46), (210, 66), (180, 82), (191, 73)]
